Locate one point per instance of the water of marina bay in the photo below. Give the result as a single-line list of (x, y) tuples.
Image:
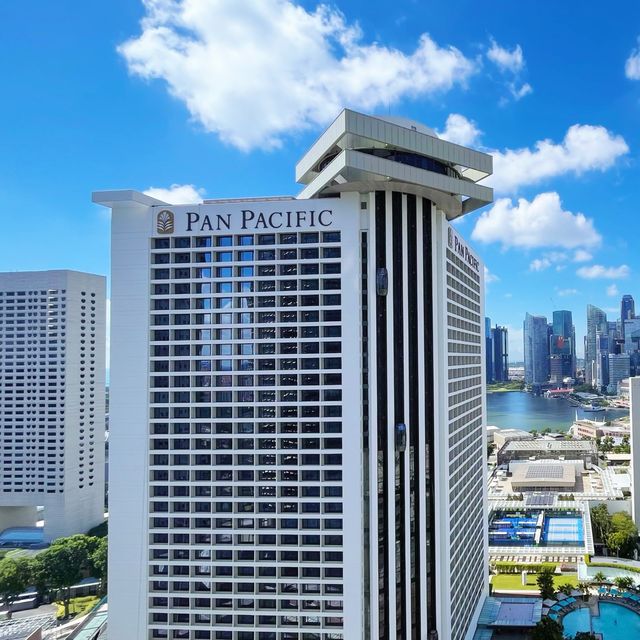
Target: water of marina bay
[(520, 410)]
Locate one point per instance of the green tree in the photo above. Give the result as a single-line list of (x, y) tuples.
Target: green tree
[(98, 561), (566, 588), (606, 445), (15, 577), (584, 586), (601, 521), (623, 535), (623, 582), (545, 583), (65, 563), (547, 629)]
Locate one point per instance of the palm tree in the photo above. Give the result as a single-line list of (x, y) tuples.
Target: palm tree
[(599, 577), (584, 586), (623, 582)]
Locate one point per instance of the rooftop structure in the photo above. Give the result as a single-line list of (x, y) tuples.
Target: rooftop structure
[(540, 477), (501, 436), (548, 449)]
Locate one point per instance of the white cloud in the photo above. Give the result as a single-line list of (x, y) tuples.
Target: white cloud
[(582, 256), (460, 130), (541, 222), (256, 70), (177, 194), (608, 273), (539, 264), (632, 65), (563, 293), (504, 59), (548, 259), (613, 291), (521, 91), (489, 277), (584, 148), (510, 63)]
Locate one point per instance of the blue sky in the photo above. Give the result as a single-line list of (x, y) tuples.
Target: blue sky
[(221, 98)]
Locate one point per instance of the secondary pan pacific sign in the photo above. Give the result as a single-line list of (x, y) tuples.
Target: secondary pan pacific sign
[(455, 244), (246, 216)]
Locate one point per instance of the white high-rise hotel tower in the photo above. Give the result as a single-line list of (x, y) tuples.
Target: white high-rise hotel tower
[(297, 407), (52, 413)]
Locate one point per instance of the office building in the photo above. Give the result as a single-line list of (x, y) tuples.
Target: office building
[(627, 311), (500, 359), (562, 348), (601, 379), (488, 350), (52, 379), (304, 379), (619, 367), (631, 332), (596, 322), (536, 350)]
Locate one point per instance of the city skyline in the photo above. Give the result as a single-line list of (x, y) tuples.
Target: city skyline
[(119, 115)]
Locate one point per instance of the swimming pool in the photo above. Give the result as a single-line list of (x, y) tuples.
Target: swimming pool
[(613, 622), (563, 530), (536, 528)]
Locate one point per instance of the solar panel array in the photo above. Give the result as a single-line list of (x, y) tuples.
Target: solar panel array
[(541, 500), (539, 472)]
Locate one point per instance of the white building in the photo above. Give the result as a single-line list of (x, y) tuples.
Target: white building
[(52, 384), (634, 395), (297, 441)]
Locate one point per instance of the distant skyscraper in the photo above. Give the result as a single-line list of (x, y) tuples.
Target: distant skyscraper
[(596, 321), (536, 350), (627, 310), (500, 343), (602, 361), (488, 350), (52, 414), (297, 409), (619, 368), (631, 335), (561, 348)]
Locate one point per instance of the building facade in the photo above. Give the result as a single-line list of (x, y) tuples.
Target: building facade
[(562, 347), (52, 386), (619, 367), (596, 322), (500, 359), (627, 311), (634, 404), (488, 350), (536, 350), (297, 401)]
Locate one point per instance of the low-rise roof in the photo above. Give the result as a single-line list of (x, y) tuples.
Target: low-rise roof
[(550, 445)]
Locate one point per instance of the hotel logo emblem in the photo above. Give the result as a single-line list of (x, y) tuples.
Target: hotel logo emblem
[(165, 222)]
